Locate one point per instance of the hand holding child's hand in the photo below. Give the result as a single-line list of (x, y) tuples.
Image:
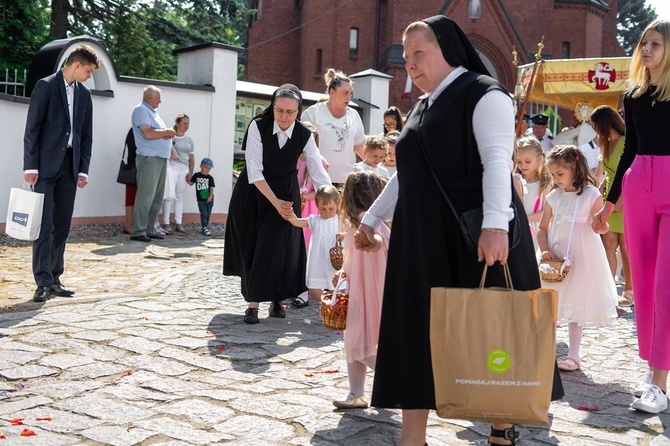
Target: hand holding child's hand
[(377, 243), (364, 237)]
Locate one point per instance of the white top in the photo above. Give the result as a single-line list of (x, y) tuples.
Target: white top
[(379, 170), (493, 126), (254, 154), (337, 138)]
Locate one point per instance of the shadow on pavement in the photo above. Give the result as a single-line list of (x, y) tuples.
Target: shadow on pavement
[(250, 348), (358, 427)]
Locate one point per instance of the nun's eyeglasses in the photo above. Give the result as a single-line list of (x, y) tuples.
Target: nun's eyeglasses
[(281, 112)]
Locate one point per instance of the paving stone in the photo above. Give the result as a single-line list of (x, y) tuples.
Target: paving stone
[(105, 409), (198, 411), (202, 361), (94, 335), (136, 344), (321, 424), (183, 431), (150, 333), (129, 392), (61, 421), (259, 427), (60, 389), (7, 345), (65, 360), (94, 370), (42, 437), (22, 404), (220, 395), (160, 366), (265, 407), (27, 371), (291, 354), (99, 352), (117, 436), (188, 342)]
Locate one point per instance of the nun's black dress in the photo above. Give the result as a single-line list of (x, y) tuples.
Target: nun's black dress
[(263, 249), (427, 249)]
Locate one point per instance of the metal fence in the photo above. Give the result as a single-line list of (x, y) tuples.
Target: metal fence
[(13, 81)]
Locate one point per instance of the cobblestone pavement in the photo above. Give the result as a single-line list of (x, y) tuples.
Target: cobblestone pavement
[(153, 351)]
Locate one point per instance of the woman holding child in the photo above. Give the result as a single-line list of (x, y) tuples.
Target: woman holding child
[(464, 128), (264, 249)]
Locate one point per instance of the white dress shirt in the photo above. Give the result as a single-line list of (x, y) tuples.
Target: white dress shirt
[(493, 127), (254, 154)]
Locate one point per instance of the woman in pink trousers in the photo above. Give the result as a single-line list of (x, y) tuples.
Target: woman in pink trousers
[(642, 180)]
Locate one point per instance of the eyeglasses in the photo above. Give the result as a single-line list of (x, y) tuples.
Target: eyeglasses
[(281, 112), (391, 125)]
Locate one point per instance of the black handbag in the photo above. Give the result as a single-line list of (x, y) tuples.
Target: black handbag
[(127, 172), (470, 222)]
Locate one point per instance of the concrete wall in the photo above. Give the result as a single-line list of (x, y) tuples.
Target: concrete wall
[(210, 106)]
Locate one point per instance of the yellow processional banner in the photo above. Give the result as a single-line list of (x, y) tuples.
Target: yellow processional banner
[(567, 82)]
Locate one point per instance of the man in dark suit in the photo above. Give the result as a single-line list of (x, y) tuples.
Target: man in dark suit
[(56, 158)]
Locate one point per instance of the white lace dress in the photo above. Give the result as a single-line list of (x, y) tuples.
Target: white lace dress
[(319, 269), (588, 294)]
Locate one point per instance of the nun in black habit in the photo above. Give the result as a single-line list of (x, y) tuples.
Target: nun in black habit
[(264, 249), (464, 128)]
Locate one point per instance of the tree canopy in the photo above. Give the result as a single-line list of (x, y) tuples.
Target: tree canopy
[(632, 19), (140, 34)]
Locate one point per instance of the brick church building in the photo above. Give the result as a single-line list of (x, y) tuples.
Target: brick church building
[(297, 40)]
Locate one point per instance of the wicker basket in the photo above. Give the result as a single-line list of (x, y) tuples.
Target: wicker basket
[(336, 256), (334, 314), (555, 270), (550, 270)]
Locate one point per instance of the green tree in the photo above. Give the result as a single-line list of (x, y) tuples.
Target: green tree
[(24, 29), (632, 18), (141, 34)]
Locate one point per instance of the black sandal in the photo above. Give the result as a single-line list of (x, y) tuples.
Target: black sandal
[(298, 302), (509, 434)]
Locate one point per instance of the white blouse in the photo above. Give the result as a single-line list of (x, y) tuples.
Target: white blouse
[(254, 154), (493, 127)]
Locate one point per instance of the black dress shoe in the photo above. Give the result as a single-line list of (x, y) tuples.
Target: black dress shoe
[(58, 290), (251, 316), (42, 294), (140, 238), (155, 236), (276, 309)]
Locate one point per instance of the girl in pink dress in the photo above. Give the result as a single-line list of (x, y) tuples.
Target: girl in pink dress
[(365, 272)]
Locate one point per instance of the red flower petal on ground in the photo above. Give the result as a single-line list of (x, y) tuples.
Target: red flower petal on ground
[(128, 373), (43, 418), (2, 437), (221, 348), (27, 433), (212, 333), (16, 421), (589, 409)]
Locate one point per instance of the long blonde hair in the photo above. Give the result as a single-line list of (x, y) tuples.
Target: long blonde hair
[(533, 144), (640, 79)]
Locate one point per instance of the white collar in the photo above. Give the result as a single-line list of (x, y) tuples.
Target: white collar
[(288, 131), (72, 85), (456, 72)]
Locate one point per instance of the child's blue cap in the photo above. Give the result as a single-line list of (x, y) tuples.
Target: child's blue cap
[(207, 162)]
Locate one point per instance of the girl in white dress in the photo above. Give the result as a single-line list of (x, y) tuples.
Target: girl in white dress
[(324, 228), (587, 297), (530, 164)]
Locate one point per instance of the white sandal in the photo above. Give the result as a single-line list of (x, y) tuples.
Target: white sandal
[(627, 299)]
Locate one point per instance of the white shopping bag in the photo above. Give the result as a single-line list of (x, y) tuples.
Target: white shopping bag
[(169, 193), (24, 216)]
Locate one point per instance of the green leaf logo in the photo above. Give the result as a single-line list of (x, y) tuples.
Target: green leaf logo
[(499, 361)]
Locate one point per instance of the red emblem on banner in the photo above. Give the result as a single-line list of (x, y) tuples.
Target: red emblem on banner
[(602, 75)]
